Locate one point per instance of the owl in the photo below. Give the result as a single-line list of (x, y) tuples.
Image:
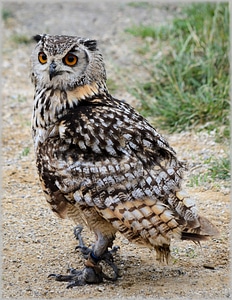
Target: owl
[(101, 163)]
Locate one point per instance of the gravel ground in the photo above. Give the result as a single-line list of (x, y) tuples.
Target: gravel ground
[(37, 243)]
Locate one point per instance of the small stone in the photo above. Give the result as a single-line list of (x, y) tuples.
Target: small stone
[(209, 266), (100, 288)]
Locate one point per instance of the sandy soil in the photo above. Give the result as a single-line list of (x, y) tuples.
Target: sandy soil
[(37, 243)]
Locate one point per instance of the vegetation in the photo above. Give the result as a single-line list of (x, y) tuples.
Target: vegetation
[(220, 169), (25, 152), (21, 39), (189, 83), (217, 170), (112, 86), (139, 4), (6, 14), (188, 62)]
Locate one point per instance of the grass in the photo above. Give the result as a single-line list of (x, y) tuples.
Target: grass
[(198, 180), (112, 86), (6, 14), (144, 31), (218, 170), (189, 252), (21, 39), (21, 98), (189, 82), (188, 64), (25, 151), (140, 4)]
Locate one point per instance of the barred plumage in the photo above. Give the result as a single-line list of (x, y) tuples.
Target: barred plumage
[(99, 161)]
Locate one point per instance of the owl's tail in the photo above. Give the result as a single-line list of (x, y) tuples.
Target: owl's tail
[(201, 233), (194, 227)]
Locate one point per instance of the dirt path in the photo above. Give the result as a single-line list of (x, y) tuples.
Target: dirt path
[(35, 242)]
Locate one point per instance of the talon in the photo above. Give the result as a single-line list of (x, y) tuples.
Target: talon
[(88, 275), (109, 259), (92, 272), (84, 250), (114, 249), (92, 261), (72, 284), (59, 277), (77, 231), (74, 271), (52, 275)]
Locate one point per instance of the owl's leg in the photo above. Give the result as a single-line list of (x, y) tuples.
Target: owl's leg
[(92, 272), (107, 256), (99, 251)]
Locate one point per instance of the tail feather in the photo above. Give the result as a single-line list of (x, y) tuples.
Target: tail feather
[(201, 233), (207, 228), (195, 237)]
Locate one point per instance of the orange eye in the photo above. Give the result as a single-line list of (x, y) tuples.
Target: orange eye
[(42, 58), (70, 59)]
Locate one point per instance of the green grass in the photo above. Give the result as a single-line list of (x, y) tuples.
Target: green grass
[(25, 151), (218, 170), (112, 86), (198, 180), (189, 82), (148, 31), (6, 14), (140, 4), (21, 39), (21, 98), (177, 253)]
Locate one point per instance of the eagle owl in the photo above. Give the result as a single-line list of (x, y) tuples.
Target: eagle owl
[(101, 163)]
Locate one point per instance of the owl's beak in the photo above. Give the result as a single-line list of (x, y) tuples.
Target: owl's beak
[(52, 70)]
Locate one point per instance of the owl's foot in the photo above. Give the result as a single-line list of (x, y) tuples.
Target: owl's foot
[(93, 270), (88, 252), (91, 273), (88, 275)]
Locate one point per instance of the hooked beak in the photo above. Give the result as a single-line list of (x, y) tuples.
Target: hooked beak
[(52, 70)]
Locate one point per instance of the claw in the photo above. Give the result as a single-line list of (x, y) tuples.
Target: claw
[(84, 250), (77, 232), (92, 272), (59, 277), (76, 277), (107, 256), (114, 249)]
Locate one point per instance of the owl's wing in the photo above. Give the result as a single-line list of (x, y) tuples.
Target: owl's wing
[(105, 153)]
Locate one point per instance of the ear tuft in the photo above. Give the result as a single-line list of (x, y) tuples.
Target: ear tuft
[(90, 44), (37, 37)]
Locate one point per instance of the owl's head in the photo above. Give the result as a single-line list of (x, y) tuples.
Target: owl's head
[(65, 62)]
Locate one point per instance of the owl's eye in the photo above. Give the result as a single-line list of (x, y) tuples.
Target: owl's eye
[(42, 58), (70, 59)]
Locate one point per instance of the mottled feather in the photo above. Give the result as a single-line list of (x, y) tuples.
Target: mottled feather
[(101, 162)]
